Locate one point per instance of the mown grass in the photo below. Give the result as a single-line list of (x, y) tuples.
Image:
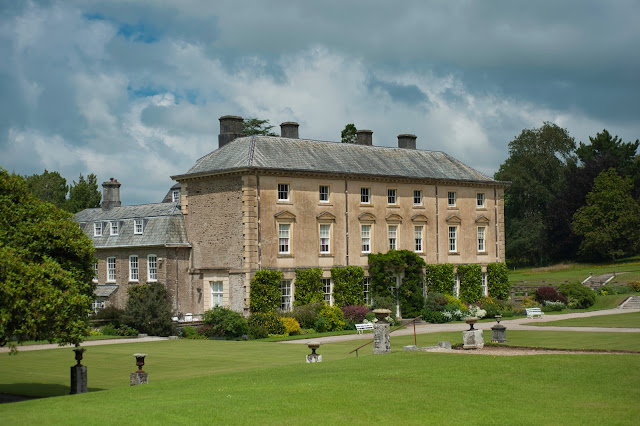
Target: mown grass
[(627, 270), (402, 387), (626, 320)]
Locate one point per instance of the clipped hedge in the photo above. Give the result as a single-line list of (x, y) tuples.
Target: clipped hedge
[(308, 288), (265, 291), (470, 283), (440, 279), (347, 285), (498, 281)]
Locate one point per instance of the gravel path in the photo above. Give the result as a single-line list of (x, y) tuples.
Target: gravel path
[(85, 344)]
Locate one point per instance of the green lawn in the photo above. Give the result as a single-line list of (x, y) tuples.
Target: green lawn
[(269, 383), (628, 270), (626, 320)]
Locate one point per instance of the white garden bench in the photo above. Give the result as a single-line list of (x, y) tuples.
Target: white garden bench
[(534, 312), (364, 326)]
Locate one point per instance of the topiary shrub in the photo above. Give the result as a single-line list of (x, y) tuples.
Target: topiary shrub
[(291, 326), (498, 281), (225, 323), (549, 294), (347, 286), (306, 315), (470, 282), (109, 315), (265, 291), (308, 288), (578, 296), (271, 322), (330, 318), (149, 309)]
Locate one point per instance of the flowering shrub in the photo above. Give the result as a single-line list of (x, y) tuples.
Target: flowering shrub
[(475, 311), (330, 318), (291, 326), (95, 332), (528, 302), (271, 323), (553, 306), (354, 313)]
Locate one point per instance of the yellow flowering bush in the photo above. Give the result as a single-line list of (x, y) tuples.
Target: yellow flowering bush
[(291, 326)]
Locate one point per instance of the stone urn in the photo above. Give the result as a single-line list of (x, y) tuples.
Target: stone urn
[(382, 314), (498, 318), (140, 361), (79, 352), (471, 321), (313, 346)]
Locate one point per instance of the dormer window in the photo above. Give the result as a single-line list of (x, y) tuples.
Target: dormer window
[(175, 196), (97, 229), (138, 226), (114, 228)]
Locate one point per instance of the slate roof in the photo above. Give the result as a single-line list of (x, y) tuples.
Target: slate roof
[(163, 225), (105, 290), (304, 155)]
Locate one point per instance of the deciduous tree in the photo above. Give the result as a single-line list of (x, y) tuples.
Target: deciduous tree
[(84, 194), (49, 187)]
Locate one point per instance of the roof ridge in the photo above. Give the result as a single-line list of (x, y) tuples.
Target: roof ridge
[(252, 148)]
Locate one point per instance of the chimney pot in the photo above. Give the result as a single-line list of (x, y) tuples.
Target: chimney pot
[(230, 129), (364, 137), (111, 194), (289, 129), (407, 141)]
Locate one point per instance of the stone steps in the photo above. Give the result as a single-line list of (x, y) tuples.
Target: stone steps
[(632, 302)]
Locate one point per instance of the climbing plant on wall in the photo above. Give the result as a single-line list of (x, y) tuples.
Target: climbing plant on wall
[(470, 282), (308, 288), (498, 281), (265, 291), (348, 286), (439, 278), (385, 267)]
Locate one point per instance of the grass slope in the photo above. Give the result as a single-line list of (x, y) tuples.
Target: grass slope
[(626, 320), (628, 270)]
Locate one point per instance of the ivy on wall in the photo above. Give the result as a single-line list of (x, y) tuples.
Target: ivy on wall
[(440, 279), (384, 267), (265, 291), (470, 282), (348, 286), (498, 281), (308, 288)]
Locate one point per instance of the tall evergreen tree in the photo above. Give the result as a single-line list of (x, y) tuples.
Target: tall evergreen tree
[(49, 187), (84, 194)]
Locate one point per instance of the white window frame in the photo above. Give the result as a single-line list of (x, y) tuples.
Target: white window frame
[(98, 304), (453, 239), (217, 293), (285, 295), (483, 283), (418, 238), (284, 192), (114, 226), (95, 272), (451, 199), (365, 195), (138, 226), (97, 229), (284, 242), (417, 197), (392, 196), (325, 238), (327, 290), (175, 196), (393, 237), (366, 289), (152, 267), (111, 269), (365, 238), (323, 193), (480, 200), (134, 268), (482, 239)]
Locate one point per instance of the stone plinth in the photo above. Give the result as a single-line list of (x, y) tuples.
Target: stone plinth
[(444, 345), (472, 339), (381, 340), (410, 348), (78, 379), (139, 378), (499, 333), (313, 356)]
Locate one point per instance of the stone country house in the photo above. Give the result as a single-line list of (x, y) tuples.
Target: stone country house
[(285, 203)]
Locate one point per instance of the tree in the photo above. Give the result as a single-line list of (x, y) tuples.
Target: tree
[(46, 269), (149, 309), (535, 167), (49, 187), (84, 194), (348, 134), (255, 126), (610, 219)]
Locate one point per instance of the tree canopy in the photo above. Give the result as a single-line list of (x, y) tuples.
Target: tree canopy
[(84, 194), (49, 187), (349, 133), (255, 126), (46, 269)]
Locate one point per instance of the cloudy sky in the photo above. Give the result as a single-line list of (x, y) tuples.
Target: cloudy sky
[(134, 89)]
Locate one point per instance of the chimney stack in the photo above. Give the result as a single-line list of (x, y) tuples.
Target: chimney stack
[(230, 129), (407, 141), (111, 194), (289, 129), (364, 137)]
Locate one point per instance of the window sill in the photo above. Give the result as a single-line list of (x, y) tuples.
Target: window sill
[(482, 253), (454, 253), (134, 281), (285, 256), (482, 209), (366, 205), (419, 207), (325, 255), (365, 254), (284, 202), (325, 203), (393, 206), (452, 208)]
